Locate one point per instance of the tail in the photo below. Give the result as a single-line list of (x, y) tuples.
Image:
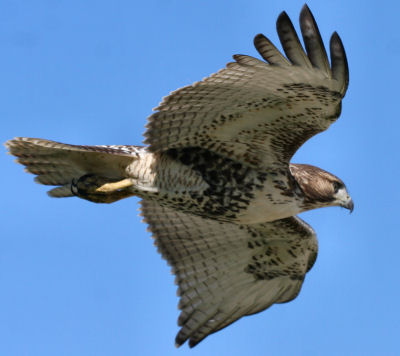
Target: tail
[(59, 164)]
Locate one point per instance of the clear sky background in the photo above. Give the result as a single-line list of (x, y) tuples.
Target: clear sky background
[(83, 279)]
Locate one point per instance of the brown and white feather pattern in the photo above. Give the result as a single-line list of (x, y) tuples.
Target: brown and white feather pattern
[(225, 271), (58, 164), (254, 112)]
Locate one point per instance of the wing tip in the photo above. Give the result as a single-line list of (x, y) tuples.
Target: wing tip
[(340, 66), (313, 42), (290, 41), (282, 20), (283, 16), (259, 37), (305, 9), (306, 15), (193, 343), (179, 340), (268, 51)]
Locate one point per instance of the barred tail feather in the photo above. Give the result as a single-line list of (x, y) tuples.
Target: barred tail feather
[(61, 192), (58, 164)]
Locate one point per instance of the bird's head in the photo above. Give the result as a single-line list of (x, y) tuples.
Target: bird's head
[(320, 187)]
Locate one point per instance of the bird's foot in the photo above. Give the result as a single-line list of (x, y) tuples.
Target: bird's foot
[(99, 189)]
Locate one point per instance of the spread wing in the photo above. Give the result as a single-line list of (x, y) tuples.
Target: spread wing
[(258, 112), (225, 271)]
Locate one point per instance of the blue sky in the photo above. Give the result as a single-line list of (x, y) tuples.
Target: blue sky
[(83, 279)]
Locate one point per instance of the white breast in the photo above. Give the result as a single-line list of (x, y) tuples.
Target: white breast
[(269, 204)]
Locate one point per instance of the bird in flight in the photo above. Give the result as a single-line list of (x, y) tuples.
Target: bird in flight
[(218, 190)]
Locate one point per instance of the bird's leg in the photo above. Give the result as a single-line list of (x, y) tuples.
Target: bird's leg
[(101, 189), (115, 186)]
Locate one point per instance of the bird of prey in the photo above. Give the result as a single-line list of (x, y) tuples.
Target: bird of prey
[(218, 190)]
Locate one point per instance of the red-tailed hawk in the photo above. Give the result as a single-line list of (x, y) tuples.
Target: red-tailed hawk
[(218, 190)]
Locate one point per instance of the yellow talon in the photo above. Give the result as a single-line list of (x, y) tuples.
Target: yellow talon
[(112, 187)]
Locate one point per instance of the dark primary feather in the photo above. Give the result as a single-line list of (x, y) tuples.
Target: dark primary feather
[(290, 41), (340, 68), (313, 41)]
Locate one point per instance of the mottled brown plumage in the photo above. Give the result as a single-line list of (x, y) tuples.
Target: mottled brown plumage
[(217, 187)]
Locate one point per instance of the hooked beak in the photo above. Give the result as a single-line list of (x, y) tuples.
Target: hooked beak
[(349, 204)]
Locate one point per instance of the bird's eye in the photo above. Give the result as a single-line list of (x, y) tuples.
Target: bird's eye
[(337, 186)]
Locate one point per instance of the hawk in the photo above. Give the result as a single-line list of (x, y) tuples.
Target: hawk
[(218, 190)]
